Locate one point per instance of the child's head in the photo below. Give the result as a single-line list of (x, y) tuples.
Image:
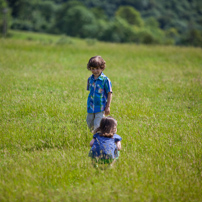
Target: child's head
[(108, 126), (96, 62)]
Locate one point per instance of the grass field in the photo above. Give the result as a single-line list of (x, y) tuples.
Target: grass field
[(44, 140)]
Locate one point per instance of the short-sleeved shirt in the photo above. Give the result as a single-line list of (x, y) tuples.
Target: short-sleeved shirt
[(99, 89), (105, 147)]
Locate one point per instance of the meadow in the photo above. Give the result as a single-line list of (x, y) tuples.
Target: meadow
[(44, 139)]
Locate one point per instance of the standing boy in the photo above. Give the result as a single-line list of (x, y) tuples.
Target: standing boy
[(100, 96)]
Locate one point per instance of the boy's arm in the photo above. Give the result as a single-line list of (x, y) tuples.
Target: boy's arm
[(92, 141), (109, 99), (118, 144)]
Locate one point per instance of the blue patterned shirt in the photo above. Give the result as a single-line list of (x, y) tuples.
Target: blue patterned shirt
[(104, 147), (99, 89)]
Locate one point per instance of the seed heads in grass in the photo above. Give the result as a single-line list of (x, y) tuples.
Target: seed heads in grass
[(46, 42), (64, 40), (29, 38), (91, 42)]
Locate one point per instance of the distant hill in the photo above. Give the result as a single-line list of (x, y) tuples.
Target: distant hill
[(167, 22)]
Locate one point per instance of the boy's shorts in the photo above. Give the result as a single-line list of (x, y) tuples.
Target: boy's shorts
[(93, 120)]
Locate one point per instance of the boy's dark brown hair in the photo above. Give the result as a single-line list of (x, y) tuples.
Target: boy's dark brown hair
[(107, 127), (96, 61)]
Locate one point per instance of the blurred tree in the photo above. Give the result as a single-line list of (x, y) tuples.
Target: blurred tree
[(150, 35), (99, 13), (4, 17), (172, 36), (78, 21), (172, 33), (33, 15), (118, 30), (193, 37), (166, 19), (154, 12), (138, 4), (151, 22), (20, 7), (45, 15), (179, 24), (47, 9), (61, 15), (22, 12), (109, 7), (131, 15), (153, 31)]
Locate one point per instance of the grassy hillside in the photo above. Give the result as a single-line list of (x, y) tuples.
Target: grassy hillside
[(44, 140)]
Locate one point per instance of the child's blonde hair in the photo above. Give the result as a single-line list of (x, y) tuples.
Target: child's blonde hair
[(107, 127), (96, 61)]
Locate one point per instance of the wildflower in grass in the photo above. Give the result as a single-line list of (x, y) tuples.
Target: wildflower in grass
[(100, 96), (105, 143)]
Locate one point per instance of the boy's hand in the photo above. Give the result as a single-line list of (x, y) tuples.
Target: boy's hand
[(107, 108), (107, 111)]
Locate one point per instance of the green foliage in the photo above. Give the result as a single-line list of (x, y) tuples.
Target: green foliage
[(61, 14), (2, 7), (18, 7), (172, 32), (46, 16), (172, 36), (22, 25), (118, 30), (131, 15), (76, 20), (99, 13), (4, 18), (151, 22), (34, 15), (3, 4), (193, 37), (79, 22), (95, 19), (149, 36)]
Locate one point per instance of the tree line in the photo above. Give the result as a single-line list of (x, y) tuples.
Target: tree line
[(137, 21)]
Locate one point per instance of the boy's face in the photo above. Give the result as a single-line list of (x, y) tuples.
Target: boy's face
[(96, 71)]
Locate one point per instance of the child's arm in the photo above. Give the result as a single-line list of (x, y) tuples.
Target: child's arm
[(91, 142), (109, 99), (118, 144)]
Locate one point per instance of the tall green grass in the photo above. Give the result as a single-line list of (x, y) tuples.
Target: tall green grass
[(44, 139)]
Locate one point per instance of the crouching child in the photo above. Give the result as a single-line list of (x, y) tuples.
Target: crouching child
[(106, 144)]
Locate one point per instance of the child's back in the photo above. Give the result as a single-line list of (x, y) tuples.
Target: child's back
[(105, 143), (105, 147)]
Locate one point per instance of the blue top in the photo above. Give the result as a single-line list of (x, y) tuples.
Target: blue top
[(99, 89), (105, 147)]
